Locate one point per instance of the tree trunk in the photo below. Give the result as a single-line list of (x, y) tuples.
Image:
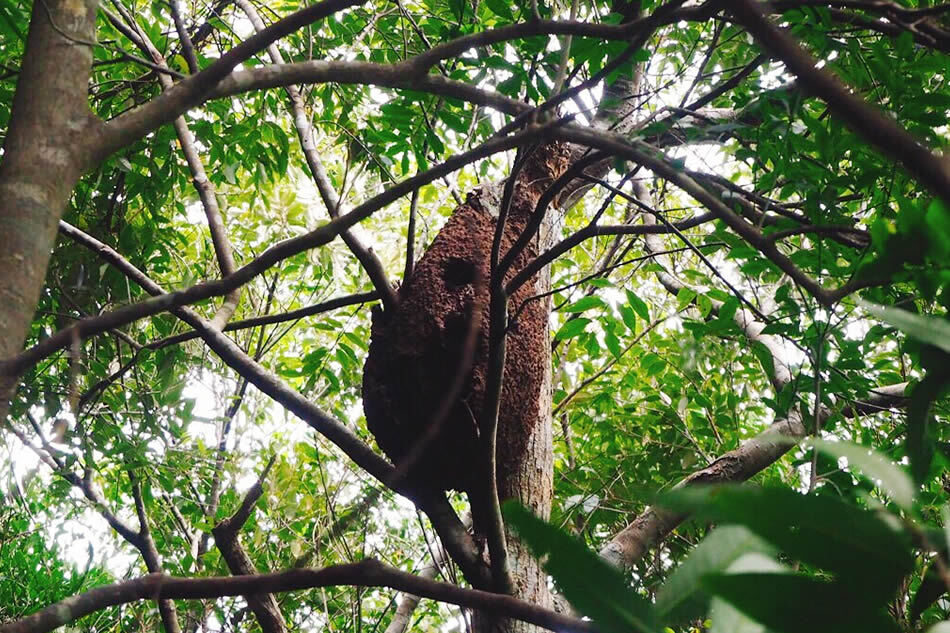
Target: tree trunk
[(43, 158), (532, 482), (532, 485)]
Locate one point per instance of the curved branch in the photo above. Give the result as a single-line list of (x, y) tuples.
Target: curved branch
[(654, 524), (366, 573), (192, 91), (199, 177), (187, 93), (874, 126), (654, 160), (273, 255), (456, 539)]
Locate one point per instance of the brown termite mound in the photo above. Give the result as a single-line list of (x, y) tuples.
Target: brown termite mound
[(416, 349)]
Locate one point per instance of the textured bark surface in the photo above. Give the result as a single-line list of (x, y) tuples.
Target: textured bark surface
[(414, 355), (264, 605), (416, 352), (42, 159), (532, 485)]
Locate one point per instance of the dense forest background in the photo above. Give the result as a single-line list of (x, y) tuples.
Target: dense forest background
[(734, 223)]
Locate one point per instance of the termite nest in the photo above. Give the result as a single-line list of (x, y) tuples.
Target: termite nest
[(418, 348)]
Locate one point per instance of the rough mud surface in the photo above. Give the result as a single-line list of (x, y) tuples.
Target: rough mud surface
[(416, 352)]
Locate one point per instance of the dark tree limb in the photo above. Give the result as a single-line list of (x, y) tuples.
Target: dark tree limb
[(366, 573), (153, 560), (227, 540), (874, 126), (455, 537), (163, 302)]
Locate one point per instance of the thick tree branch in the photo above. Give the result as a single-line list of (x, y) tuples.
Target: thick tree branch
[(654, 524), (227, 540), (42, 159), (366, 573), (492, 521), (305, 133), (453, 534), (649, 157), (184, 39), (187, 93), (277, 253), (874, 126), (153, 560), (196, 88), (636, 151)]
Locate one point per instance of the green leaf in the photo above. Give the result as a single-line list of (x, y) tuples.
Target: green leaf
[(613, 344), (893, 480), (571, 328), (680, 596), (725, 617), (585, 303), (638, 305), (596, 589), (629, 318), (728, 309), (930, 330), (500, 8), (818, 529), (641, 55), (764, 355), (685, 297), (789, 603)]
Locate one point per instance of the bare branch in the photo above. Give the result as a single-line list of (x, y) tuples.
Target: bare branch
[(874, 126), (365, 255), (187, 46), (654, 524), (651, 158), (366, 573), (189, 92), (153, 560)]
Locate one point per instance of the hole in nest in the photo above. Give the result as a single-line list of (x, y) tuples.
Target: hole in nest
[(458, 272)]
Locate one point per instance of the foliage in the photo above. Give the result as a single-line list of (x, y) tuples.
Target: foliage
[(649, 385), (34, 572)]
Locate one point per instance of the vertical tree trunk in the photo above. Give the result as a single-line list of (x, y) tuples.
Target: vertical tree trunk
[(417, 349), (43, 158), (532, 483)]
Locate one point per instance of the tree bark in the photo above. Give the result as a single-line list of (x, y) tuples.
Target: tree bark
[(43, 158), (532, 483), (263, 605)]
